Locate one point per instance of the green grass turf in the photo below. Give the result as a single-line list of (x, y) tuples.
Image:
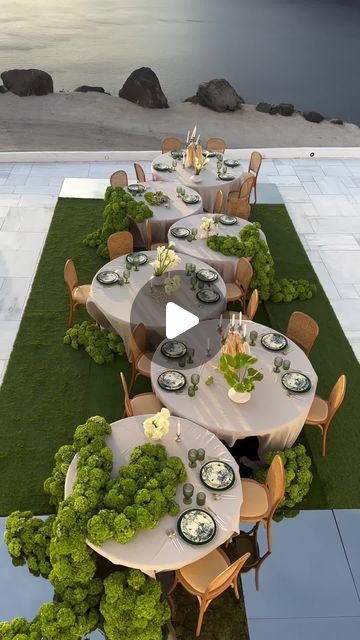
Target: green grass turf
[(49, 388)]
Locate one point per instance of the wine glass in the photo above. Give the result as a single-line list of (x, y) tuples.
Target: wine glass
[(286, 365), (136, 263), (277, 362), (190, 355), (253, 337), (200, 498), (194, 282), (174, 165), (195, 379), (188, 268), (194, 233), (188, 490), (126, 274), (178, 192), (192, 455)]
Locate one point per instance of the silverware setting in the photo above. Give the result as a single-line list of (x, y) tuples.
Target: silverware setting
[(219, 496), (171, 534), (219, 520)]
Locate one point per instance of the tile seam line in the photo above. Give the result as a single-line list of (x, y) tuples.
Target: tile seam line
[(346, 555)]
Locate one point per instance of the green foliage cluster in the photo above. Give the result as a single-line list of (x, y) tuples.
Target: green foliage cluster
[(57, 549), (249, 244), (156, 198), (141, 494), (118, 206), (101, 345), (298, 476), (132, 607), (245, 380)]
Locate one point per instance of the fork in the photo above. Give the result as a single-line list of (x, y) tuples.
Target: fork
[(221, 522), (171, 533)]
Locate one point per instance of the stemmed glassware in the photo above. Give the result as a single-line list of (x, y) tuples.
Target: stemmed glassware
[(253, 337), (136, 263), (192, 455), (286, 365), (277, 364), (126, 274), (174, 165), (195, 379)]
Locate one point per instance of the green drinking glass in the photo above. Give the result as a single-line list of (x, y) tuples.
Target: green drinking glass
[(200, 498), (126, 275), (195, 379), (192, 455), (191, 391), (201, 454), (188, 490), (182, 361), (194, 282), (286, 365), (190, 355), (201, 284), (253, 337), (188, 268), (277, 364), (136, 264)]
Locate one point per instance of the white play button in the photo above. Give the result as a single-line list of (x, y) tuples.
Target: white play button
[(178, 320)]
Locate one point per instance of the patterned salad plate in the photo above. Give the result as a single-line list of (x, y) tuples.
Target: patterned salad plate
[(136, 188), (190, 199), (232, 163), (107, 277), (208, 296), (229, 220), (209, 154), (142, 257), (177, 155), (173, 349), (296, 381), (207, 275), (217, 475), (226, 176), (274, 341), (196, 526), (180, 232), (160, 166), (171, 380)]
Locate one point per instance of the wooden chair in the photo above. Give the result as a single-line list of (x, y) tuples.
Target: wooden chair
[(150, 245), (303, 330), (254, 168), (170, 144), (216, 144), (322, 411), (140, 173), (141, 356), (252, 306), (260, 501), (120, 244), (78, 293), (238, 203), (208, 578), (119, 179), (219, 200), (237, 291), (247, 542), (140, 404)]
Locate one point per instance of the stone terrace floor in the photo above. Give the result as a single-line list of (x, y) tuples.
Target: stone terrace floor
[(310, 585)]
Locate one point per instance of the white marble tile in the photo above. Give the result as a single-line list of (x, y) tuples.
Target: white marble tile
[(349, 181), (13, 296), (28, 219), (332, 241), (84, 188), (314, 256), (356, 349), (8, 331), (341, 224), (354, 168), (357, 287), (298, 579), (300, 213), (347, 291), (7, 189), (334, 169), (285, 181), (65, 169), (334, 205), (311, 188), (325, 280), (17, 264), (331, 186), (284, 168), (38, 200), (21, 240), (294, 194), (348, 314), (355, 194), (105, 169), (35, 189), (9, 200), (20, 169), (268, 168), (6, 166), (343, 266), (300, 628)]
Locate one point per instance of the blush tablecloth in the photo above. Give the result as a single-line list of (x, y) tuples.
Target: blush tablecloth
[(152, 550)]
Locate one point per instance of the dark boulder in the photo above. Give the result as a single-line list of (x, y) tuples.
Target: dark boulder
[(3, 89), (313, 116), (336, 121), (219, 95), (85, 88), (266, 107), (143, 88), (192, 99), (28, 82), (285, 109)]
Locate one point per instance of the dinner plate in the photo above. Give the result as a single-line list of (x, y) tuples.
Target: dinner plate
[(196, 526), (209, 154), (180, 232), (177, 155), (274, 341), (296, 381), (207, 275), (107, 277), (226, 176), (190, 199), (173, 349), (217, 475), (228, 220), (208, 296), (232, 163), (141, 256), (136, 188), (160, 166), (171, 380)]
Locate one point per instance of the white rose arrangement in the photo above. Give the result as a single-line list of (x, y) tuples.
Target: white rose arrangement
[(158, 426), (172, 284), (206, 227), (166, 259)]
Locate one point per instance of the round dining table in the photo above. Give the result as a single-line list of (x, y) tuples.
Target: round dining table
[(224, 265), (152, 550), (164, 215), (272, 415), (121, 308), (210, 183)]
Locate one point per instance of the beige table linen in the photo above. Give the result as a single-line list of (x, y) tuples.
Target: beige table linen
[(270, 414), (152, 550), (163, 215), (225, 265), (209, 185), (117, 308)]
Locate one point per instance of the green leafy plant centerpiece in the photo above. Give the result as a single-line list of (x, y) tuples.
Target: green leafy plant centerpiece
[(101, 345), (239, 372), (156, 198), (119, 206)]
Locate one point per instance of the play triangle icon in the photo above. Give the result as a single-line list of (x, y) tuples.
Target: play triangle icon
[(178, 320)]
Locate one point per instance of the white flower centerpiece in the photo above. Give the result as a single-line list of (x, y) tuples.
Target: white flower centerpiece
[(166, 259), (207, 227), (157, 426)]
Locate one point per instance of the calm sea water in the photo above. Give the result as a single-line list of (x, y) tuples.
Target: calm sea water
[(301, 51)]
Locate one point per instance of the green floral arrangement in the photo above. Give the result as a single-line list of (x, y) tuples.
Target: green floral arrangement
[(249, 244), (141, 494), (132, 607), (57, 549), (298, 478), (238, 372), (101, 345), (156, 198), (119, 205)]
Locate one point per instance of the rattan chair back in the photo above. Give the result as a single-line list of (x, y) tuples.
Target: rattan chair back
[(120, 244), (119, 179), (303, 330)]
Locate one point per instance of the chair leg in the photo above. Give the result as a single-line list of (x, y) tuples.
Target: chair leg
[(257, 578), (269, 534), (236, 588), (71, 314), (173, 584), (255, 193), (324, 436), (200, 618), (133, 377)]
